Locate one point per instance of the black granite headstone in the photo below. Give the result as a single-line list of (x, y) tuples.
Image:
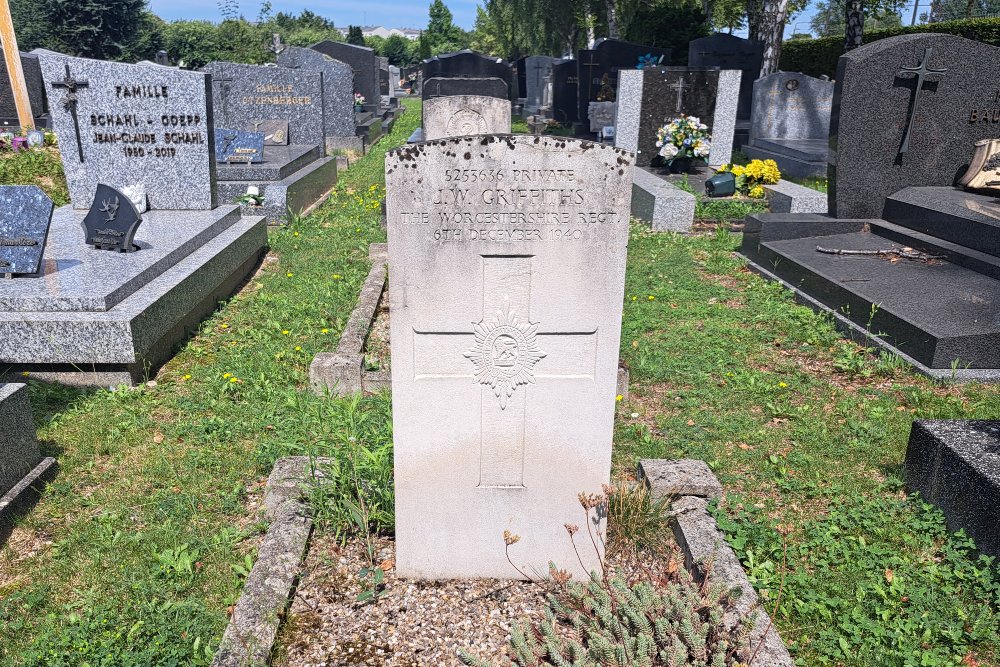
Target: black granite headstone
[(730, 52), (598, 69), (441, 87), (671, 92), (362, 61), (112, 221), (521, 76), (25, 214), (565, 91), (238, 146), (36, 91), (469, 64), (893, 126)]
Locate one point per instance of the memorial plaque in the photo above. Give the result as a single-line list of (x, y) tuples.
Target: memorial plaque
[(112, 221), (275, 131), (25, 214), (459, 115), (508, 268), (120, 124), (235, 146), (245, 94)]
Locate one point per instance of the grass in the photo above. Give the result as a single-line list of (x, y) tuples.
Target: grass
[(142, 542), (41, 167)]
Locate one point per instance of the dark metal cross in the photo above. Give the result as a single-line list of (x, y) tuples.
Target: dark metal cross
[(679, 87), (590, 77), (69, 102), (922, 71)]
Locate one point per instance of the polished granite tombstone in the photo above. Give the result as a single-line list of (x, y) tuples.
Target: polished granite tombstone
[(955, 465), (25, 214), (446, 87), (364, 64), (338, 94), (598, 68), (36, 93), (92, 317), (469, 64), (900, 137), (565, 89), (730, 52)]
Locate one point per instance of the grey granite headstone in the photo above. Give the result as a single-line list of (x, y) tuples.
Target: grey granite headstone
[(121, 124), (338, 87), (444, 87), (791, 105), (25, 214), (956, 466), (33, 81), (536, 70), (362, 61), (19, 452), (730, 52), (243, 95), (877, 106), (651, 97)]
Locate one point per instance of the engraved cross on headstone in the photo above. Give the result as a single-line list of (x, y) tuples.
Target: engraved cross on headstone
[(223, 84), (590, 76), (679, 87), (922, 70), (504, 354), (70, 101)]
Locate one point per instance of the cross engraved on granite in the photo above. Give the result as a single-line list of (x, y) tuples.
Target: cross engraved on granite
[(679, 87), (223, 91), (590, 76), (922, 70), (504, 350), (69, 102)]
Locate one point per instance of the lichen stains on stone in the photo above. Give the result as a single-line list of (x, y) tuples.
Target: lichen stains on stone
[(468, 155)]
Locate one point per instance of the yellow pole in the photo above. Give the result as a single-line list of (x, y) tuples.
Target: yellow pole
[(12, 56)]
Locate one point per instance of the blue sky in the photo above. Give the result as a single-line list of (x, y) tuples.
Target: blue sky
[(395, 14)]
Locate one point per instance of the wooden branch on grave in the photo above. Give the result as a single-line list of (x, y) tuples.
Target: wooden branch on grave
[(893, 254)]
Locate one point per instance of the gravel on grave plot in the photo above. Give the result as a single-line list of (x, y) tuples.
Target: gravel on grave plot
[(413, 623)]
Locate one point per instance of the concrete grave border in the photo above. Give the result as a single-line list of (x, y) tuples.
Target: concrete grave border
[(691, 485), (249, 639), (342, 372)]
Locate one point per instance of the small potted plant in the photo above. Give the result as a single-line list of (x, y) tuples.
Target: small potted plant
[(681, 140), (359, 102)]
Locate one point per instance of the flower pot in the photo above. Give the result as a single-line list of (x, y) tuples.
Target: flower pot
[(679, 165), (358, 108)]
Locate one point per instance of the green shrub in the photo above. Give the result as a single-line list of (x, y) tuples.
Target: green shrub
[(36, 167), (817, 57)]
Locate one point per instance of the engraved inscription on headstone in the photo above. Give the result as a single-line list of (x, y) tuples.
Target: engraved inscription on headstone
[(508, 260), (25, 214), (112, 221)]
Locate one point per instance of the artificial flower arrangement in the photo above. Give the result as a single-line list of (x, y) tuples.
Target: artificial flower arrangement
[(751, 178), (25, 140), (684, 137), (359, 100)]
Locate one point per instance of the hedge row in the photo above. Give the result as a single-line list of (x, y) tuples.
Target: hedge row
[(819, 56)]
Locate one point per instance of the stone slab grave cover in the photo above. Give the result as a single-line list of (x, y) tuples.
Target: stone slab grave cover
[(565, 92), (446, 87), (730, 52), (506, 299), (120, 124), (955, 465), (338, 91), (598, 68), (469, 64), (244, 95), (651, 97), (459, 115), (36, 92), (362, 61), (886, 133), (25, 215), (790, 122)]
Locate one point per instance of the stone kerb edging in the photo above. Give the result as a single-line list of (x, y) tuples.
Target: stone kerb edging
[(342, 372), (692, 485), (787, 197), (249, 638)]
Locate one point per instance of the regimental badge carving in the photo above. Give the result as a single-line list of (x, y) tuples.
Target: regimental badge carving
[(465, 122), (505, 354)]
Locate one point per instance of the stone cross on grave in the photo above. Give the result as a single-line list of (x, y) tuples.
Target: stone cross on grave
[(69, 102), (501, 354), (922, 70), (679, 87)]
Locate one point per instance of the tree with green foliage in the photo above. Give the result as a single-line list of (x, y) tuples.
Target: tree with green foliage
[(355, 36), (100, 29), (442, 33), (305, 29), (423, 47), (830, 17), (195, 43), (668, 24), (950, 10), (398, 50)]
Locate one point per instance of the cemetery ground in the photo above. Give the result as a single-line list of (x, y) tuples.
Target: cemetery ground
[(143, 539)]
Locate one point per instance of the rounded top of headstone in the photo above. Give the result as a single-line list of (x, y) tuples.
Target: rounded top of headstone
[(466, 145)]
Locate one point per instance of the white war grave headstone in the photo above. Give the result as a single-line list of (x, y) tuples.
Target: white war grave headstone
[(459, 115), (507, 273)]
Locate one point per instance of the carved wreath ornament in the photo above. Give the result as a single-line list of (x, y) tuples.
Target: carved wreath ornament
[(505, 354)]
